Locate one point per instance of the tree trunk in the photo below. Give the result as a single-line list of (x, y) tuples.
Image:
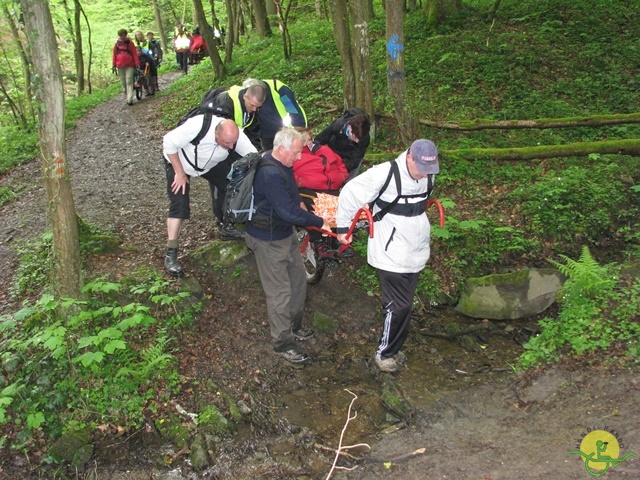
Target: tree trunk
[(231, 29), (67, 279), (585, 121), (243, 9), (161, 33), (73, 25), (371, 12), (494, 9), (437, 11), (207, 33), (16, 111), (26, 70), (77, 51), (395, 70), (90, 43), (282, 23), (216, 24), (342, 34), (321, 8), (262, 22), (360, 55)]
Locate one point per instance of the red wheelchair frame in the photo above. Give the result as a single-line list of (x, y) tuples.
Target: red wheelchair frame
[(314, 265)]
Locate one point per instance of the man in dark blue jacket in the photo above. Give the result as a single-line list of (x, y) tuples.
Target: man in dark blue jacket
[(280, 109), (270, 236)]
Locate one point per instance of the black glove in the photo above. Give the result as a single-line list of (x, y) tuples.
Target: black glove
[(114, 70)]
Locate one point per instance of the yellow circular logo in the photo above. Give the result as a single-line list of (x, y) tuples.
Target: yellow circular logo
[(600, 444)]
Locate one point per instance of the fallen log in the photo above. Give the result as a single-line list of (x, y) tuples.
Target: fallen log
[(629, 146), (540, 123)]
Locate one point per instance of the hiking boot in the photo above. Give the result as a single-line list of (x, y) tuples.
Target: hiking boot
[(228, 231), (388, 365), (294, 356), (303, 334), (172, 264), (346, 251), (324, 251)]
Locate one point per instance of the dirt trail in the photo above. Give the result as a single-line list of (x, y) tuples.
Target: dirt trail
[(482, 424)]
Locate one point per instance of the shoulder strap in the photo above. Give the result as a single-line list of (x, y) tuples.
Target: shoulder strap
[(394, 171), (266, 163), (386, 209), (206, 125)]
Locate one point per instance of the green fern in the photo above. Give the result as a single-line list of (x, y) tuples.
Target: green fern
[(586, 273)]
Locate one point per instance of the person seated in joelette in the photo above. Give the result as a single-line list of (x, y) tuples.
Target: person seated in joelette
[(320, 171), (323, 170)]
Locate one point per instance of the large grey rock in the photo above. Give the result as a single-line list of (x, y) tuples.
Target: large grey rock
[(510, 296)]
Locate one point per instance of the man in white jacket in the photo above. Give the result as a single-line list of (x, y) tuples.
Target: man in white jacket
[(399, 249)]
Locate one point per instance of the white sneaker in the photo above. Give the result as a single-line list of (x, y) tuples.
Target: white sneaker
[(388, 365)]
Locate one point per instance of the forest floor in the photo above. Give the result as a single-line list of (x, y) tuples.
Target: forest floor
[(474, 417)]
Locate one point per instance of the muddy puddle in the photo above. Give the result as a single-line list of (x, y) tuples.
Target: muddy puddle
[(317, 397)]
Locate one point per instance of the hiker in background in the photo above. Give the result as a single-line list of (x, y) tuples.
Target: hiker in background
[(208, 160), (280, 109), (399, 250), (156, 50), (241, 104), (156, 54), (197, 48), (141, 42), (348, 136), (125, 60), (270, 236), (148, 70), (181, 44)]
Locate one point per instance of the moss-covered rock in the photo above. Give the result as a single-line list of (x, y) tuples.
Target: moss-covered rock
[(394, 400), (219, 255), (324, 323), (234, 409), (198, 454), (510, 296), (211, 420), (172, 429), (66, 447)]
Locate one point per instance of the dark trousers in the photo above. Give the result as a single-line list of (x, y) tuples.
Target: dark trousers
[(284, 283), (183, 60), (179, 203), (398, 290)]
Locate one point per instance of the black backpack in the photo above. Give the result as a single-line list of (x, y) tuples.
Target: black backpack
[(204, 108), (238, 205), (394, 172)]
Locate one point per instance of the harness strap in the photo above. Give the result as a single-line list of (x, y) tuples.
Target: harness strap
[(206, 125), (406, 209)]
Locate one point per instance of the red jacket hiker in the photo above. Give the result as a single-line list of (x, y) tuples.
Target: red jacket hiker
[(124, 54), (198, 45), (321, 170)]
